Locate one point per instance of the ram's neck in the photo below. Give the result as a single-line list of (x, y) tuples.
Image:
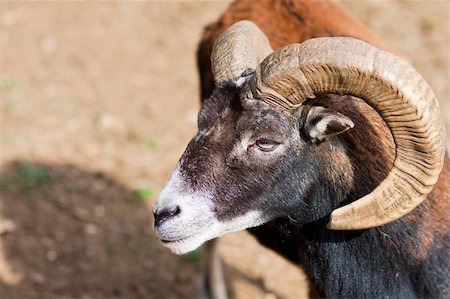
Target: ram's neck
[(379, 262)]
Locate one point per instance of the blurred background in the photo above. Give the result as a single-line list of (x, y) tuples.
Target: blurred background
[(97, 102)]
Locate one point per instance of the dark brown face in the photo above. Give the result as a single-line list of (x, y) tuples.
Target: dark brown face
[(237, 172)]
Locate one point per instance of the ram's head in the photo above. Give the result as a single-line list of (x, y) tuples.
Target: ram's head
[(265, 132)]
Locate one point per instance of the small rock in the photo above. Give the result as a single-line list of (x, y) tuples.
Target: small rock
[(91, 229), (51, 255), (81, 213), (38, 278), (109, 122), (49, 45), (6, 226)]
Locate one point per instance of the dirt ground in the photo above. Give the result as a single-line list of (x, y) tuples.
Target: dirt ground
[(97, 102)]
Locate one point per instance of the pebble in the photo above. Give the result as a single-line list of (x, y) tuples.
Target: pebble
[(49, 45), (7, 226), (38, 278), (109, 122), (51, 255), (91, 229)]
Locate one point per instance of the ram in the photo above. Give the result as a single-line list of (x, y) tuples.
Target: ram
[(329, 150)]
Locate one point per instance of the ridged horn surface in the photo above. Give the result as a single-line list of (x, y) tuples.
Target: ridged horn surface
[(393, 88), (240, 48)]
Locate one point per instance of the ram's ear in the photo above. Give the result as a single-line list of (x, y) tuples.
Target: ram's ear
[(321, 123)]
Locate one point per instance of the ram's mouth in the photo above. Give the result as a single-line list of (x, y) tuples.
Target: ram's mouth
[(191, 242), (177, 241), (168, 241)]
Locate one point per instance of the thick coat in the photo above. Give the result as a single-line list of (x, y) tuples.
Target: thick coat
[(406, 258)]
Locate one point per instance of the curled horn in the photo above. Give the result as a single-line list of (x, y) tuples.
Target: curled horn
[(393, 88), (239, 49)]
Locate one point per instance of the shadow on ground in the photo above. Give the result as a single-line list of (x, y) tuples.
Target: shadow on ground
[(81, 234)]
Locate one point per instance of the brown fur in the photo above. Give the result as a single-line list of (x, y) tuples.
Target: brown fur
[(284, 22), (369, 144)]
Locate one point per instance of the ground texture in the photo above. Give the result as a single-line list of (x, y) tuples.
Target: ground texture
[(97, 102)]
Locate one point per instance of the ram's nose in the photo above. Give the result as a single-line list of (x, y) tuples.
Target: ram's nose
[(165, 214)]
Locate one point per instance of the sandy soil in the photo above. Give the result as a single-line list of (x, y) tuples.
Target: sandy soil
[(97, 102)]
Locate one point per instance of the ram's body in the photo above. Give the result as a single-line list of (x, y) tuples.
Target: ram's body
[(412, 246), (403, 259)]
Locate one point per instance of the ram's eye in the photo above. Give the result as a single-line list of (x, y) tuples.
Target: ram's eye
[(266, 145)]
